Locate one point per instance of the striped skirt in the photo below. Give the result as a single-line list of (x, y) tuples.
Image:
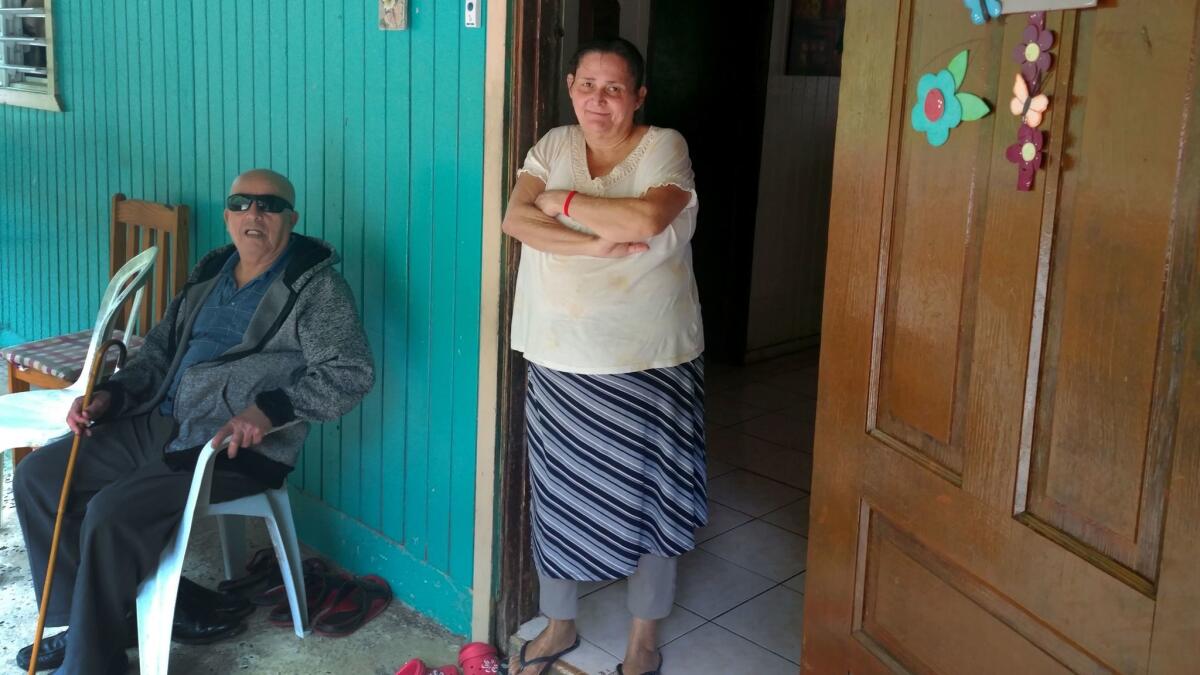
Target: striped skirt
[(617, 467)]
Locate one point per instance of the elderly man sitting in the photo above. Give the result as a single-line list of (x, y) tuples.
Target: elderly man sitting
[(264, 332)]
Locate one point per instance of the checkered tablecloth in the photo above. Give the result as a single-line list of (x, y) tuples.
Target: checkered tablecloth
[(60, 356)]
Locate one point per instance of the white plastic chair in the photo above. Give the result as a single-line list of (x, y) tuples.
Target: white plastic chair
[(35, 418), (31, 419), (157, 593)]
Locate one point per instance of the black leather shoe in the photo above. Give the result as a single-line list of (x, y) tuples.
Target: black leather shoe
[(204, 627), (50, 653), (197, 599)]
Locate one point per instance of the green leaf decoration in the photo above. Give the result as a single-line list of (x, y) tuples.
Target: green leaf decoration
[(973, 107), (958, 68)]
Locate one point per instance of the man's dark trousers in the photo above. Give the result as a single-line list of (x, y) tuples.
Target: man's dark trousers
[(124, 506)]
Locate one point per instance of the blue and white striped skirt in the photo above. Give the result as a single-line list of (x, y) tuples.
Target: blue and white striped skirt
[(617, 467)]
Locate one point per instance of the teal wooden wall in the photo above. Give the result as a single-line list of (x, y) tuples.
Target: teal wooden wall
[(382, 133)]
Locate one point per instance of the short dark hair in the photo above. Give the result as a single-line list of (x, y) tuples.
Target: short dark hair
[(618, 47)]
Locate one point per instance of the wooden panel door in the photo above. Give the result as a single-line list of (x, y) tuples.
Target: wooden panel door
[(1007, 472)]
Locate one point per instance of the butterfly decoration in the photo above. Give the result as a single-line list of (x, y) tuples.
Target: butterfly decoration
[(978, 7), (1029, 108)]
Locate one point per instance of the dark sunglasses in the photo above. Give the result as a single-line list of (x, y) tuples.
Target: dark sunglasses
[(268, 203)]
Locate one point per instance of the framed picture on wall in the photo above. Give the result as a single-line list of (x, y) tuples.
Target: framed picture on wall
[(815, 37)]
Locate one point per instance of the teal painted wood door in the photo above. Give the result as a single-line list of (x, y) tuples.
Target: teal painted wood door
[(382, 134)]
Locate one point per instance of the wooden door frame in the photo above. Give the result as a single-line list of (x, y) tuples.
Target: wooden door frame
[(535, 31)]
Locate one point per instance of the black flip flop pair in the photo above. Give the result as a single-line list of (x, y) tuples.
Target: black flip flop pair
[(548, 661), (544, 661), (262, 569), (314, 569), (656, 671)]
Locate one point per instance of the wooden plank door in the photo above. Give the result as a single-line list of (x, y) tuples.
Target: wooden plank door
[(1007, 472)]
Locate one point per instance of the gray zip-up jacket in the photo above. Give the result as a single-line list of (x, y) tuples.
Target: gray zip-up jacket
[(304, 355)]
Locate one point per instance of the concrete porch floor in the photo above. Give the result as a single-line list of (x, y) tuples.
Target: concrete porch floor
[(378, 648)]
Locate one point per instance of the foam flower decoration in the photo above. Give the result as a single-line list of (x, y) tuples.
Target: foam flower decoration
[(1026, 153), (1028, 108), (940, 106), (1033, 53)]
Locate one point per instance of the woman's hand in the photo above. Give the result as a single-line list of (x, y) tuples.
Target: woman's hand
[(551, 202), (527, 222), (80, 420), (602, 248)]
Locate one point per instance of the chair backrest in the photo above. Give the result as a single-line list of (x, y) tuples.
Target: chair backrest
[(129, 280), (138, 225)]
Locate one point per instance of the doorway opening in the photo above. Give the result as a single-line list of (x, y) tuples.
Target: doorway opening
[(754, 92)]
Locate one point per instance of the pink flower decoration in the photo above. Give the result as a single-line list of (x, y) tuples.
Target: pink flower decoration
[(1026, 153), (1033, 53)]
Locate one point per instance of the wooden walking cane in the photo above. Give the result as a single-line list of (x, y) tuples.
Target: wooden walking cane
[(97, 365)]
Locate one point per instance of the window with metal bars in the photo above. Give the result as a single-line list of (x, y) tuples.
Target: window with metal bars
[(27, 54)]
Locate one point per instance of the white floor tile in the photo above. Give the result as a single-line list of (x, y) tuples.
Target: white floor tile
[(751, 494), (762, 395), (796, 583), (793, 517), (723, 378), (718, 468), (762, 548), (772, 620), (710, 586), (531, 628), (723, 410), (802, 382), (721, 519), (762, 457), (591, 659), (604, 620), (788, 466), (791, 428), (712, 650)]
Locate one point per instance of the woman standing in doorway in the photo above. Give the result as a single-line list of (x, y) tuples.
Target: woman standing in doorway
[(608, 317)]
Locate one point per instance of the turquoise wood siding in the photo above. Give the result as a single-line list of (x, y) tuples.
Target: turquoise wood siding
[(382, 133)]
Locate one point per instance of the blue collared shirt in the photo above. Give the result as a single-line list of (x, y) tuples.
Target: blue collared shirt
[(223, 319)]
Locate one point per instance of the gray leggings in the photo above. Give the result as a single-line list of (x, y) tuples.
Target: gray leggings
[(650, 595)]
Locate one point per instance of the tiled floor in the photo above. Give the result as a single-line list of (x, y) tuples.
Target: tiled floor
[(739, 602)]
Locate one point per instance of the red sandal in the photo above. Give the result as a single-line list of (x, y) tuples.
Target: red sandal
[(355, 603), (479, 658), (418, 667)]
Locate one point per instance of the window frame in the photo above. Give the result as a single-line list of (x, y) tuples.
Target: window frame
[(41, 100)]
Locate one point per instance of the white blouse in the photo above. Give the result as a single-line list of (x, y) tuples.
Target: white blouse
[(583, 314)]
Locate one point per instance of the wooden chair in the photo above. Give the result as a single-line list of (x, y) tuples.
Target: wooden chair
[(56, 362)]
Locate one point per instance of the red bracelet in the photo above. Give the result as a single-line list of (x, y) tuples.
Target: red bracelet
[(567, 203)]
